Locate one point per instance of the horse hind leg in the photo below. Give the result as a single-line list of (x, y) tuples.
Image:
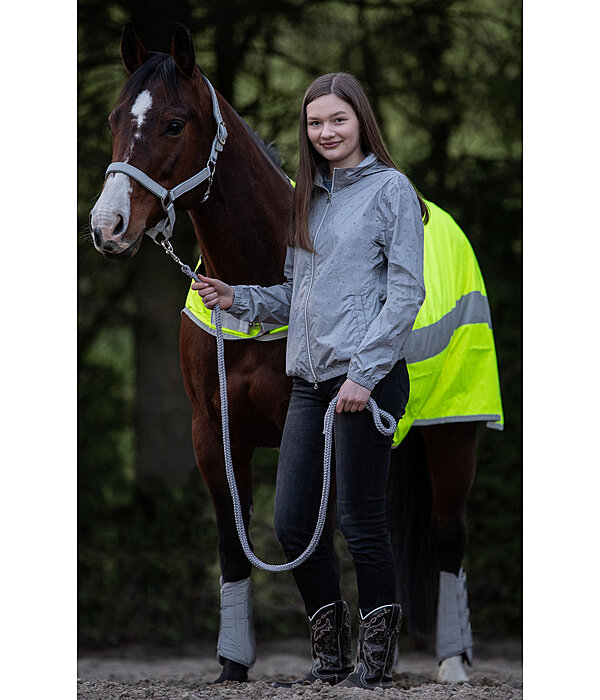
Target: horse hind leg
[(451, 450)]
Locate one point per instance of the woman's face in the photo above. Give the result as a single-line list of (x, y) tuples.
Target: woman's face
[(333, 129)]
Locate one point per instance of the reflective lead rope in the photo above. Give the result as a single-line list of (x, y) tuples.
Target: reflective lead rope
[(378, 414), (237, 509), (327, 431)]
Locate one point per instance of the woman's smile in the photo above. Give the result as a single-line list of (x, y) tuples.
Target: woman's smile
[(333, 129)]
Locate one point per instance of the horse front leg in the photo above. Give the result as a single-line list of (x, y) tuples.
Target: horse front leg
[(236, 647), (451, 453)]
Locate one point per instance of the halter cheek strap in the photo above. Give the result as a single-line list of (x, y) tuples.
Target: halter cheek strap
[(168, 197)]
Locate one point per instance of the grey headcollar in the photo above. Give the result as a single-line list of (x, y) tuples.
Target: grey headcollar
[(168, 197)]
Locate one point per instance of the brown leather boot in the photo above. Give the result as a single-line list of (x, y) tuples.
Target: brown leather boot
[(376, 645), (331, 646)]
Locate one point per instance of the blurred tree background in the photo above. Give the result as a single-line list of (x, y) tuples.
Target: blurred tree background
[(444, 78)]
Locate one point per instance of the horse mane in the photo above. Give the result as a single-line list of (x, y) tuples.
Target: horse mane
[(161, 68), (270, 150)]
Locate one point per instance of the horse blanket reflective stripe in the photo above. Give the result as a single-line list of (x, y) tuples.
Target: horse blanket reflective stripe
[(450, 352)]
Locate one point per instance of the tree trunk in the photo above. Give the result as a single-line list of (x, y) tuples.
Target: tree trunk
[(163, 412)]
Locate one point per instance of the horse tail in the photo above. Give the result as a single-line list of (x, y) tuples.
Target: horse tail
[(409, 515)]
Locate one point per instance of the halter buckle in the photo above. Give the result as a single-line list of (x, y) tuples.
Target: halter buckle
[(222, 133)]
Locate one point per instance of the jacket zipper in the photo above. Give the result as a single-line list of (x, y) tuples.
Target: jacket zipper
[(312, 274)]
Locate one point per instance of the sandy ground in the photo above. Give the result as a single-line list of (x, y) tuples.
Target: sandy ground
[(135, 673)]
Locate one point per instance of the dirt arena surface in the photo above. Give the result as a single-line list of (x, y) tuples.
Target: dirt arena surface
[(139, 674)]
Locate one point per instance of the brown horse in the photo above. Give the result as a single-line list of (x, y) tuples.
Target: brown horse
[(164, 126)]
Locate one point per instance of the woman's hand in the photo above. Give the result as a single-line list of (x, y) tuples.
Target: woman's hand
[(352, 397), (214, 291)]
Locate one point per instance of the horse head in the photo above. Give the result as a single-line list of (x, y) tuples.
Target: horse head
[(162, 126)]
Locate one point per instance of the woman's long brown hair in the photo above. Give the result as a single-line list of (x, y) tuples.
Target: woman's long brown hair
[(347, 88)]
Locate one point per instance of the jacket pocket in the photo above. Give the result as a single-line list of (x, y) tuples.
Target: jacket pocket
[(369, 306), (362, 324)]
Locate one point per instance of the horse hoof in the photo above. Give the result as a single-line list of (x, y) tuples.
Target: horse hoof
[(452, 670), (232, 671)]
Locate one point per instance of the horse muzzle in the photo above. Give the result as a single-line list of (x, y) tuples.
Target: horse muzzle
[(114, 244)]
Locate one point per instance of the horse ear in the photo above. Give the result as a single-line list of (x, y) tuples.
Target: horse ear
[(133, 54), (182, 49)]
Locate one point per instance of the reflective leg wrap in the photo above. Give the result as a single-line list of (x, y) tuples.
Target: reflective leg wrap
[(453, 636), (236, 634)]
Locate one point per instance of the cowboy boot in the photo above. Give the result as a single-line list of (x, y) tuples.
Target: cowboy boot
[(376, 644), (330, 646)]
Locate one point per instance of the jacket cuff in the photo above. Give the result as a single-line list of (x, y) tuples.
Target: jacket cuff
[(240, 301), (359, 379)]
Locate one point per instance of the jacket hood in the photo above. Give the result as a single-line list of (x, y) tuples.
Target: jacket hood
[(342, 177)]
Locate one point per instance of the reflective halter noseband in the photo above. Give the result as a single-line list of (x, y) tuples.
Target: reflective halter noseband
[(168, 197)]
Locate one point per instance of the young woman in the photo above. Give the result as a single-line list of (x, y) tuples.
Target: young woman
[(354, 286)]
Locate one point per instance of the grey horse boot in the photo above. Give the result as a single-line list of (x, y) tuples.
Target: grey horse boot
[(454, 640), (330, 646)]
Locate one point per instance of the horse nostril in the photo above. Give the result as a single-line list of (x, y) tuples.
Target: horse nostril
[(119, 227)]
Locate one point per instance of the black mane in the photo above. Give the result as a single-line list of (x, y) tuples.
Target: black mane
[(270, 150)]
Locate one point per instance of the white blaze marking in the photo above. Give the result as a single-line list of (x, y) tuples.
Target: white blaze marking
[(140, 108)]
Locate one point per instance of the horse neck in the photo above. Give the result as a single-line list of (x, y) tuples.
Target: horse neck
[(241, 227)]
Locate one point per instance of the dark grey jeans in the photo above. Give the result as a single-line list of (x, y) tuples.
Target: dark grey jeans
[(361, 455)]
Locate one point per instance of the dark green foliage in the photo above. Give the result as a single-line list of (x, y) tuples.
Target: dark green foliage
[(494, 551), (147, 551), (445, 81), (147, 571)]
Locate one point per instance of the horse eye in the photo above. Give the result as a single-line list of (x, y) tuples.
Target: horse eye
[(174, 128)]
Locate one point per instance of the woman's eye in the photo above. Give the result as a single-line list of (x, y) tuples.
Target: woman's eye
[(174, 128)]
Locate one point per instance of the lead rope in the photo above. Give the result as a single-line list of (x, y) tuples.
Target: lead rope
[(378, 414)]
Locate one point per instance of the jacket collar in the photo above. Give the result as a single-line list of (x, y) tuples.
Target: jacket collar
[(342, 177)]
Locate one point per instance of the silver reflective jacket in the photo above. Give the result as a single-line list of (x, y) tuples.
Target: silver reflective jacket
[(352, 303)]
